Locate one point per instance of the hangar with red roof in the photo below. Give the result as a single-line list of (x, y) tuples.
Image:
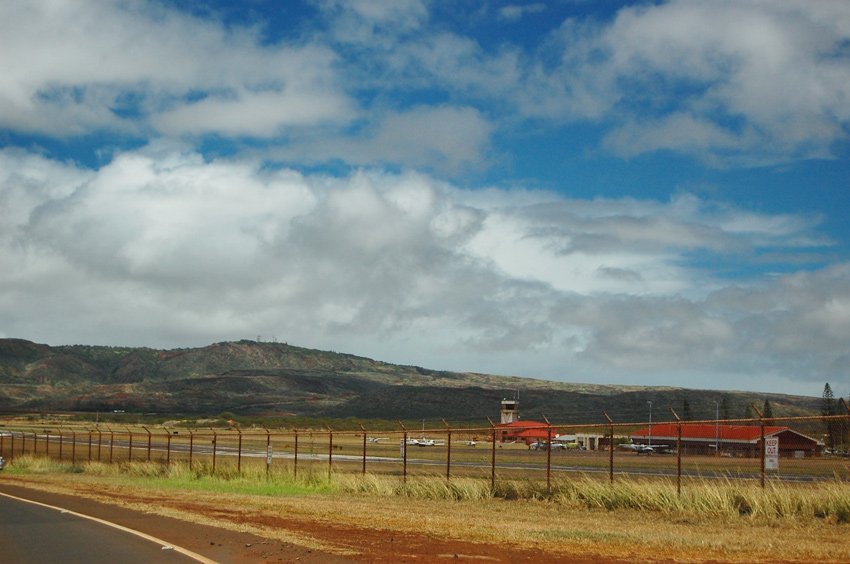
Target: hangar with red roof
[(734, 440), (525, 431)]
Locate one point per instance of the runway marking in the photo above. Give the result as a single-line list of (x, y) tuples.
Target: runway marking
[(165, 545)]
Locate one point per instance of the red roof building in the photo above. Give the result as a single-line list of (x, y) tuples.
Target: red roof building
[(525, 431), (735, 440)]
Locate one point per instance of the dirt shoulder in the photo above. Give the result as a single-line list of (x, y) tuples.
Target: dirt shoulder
[(229, 534), (219, 544)]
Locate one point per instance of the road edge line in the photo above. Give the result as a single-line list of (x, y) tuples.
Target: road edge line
[(159, 541)]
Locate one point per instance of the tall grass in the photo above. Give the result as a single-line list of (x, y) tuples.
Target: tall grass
[(699, 500), (723, 499)]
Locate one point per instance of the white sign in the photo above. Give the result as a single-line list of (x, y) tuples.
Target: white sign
[(771, 453), (269, 455)]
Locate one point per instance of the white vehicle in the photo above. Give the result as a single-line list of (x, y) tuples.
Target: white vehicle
[(2, 463)]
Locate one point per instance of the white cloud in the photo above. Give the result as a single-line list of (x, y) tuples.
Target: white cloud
[(515, 12), (71, 67), (255, 114), (446, 139), (374, 22), (764, 81), (162, 248)]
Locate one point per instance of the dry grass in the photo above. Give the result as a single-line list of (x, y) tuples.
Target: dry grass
[(717, 520)]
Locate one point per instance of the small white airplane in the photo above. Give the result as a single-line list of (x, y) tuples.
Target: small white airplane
[(377, 439), (645, 449), (423, 442), (543, 445)]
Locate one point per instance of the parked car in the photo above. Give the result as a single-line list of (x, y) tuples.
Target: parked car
[(2, 463)]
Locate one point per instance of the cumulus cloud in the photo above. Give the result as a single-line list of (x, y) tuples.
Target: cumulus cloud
[(70, 68), (167, 245), (161, 246), (445, 139), (766, 80)]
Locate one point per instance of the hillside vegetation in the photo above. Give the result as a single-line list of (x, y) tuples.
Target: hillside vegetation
[(277, 378)]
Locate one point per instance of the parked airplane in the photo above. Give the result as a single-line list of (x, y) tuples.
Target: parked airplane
[(423, 442), (542, 445), (377, 439), (645, 449)]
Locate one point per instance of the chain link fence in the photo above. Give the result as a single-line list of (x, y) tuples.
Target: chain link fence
[(758, 451)]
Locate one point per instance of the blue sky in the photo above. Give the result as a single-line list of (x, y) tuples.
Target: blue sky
[(644, 193)]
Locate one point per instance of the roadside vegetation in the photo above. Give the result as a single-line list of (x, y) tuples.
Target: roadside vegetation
[(582, 517), (701, 500)]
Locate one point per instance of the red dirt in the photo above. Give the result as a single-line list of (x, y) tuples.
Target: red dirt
[(228, 546)]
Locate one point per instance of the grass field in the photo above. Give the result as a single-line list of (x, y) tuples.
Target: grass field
[(711, 520)]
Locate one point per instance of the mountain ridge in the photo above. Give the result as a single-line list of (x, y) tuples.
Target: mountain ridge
[(251, 377)]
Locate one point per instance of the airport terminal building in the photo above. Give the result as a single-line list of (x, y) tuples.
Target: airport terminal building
[(729, 440)]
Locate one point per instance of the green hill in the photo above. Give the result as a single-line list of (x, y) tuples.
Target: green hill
[(261, 378)]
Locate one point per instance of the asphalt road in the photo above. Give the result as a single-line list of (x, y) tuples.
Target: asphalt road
[(36, 534)]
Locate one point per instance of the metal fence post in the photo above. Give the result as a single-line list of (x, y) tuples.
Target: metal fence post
[(403, 452), (548, 455), (364, 448), (99, 443), (149, 442), (167, 446), (73, 447), (762, 449), (330, 451), (492, 457), (448, 450), (60, 444), (239, 452), (90, 437), (295, 458), (269, 453), (610, 447), (130, 446), (111, 443), (678, 452), (214, 448), (191, 447)]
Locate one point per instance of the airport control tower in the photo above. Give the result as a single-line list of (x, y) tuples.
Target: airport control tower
[(509, 411)]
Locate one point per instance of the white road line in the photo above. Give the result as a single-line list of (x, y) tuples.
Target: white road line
[(165, 545)]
